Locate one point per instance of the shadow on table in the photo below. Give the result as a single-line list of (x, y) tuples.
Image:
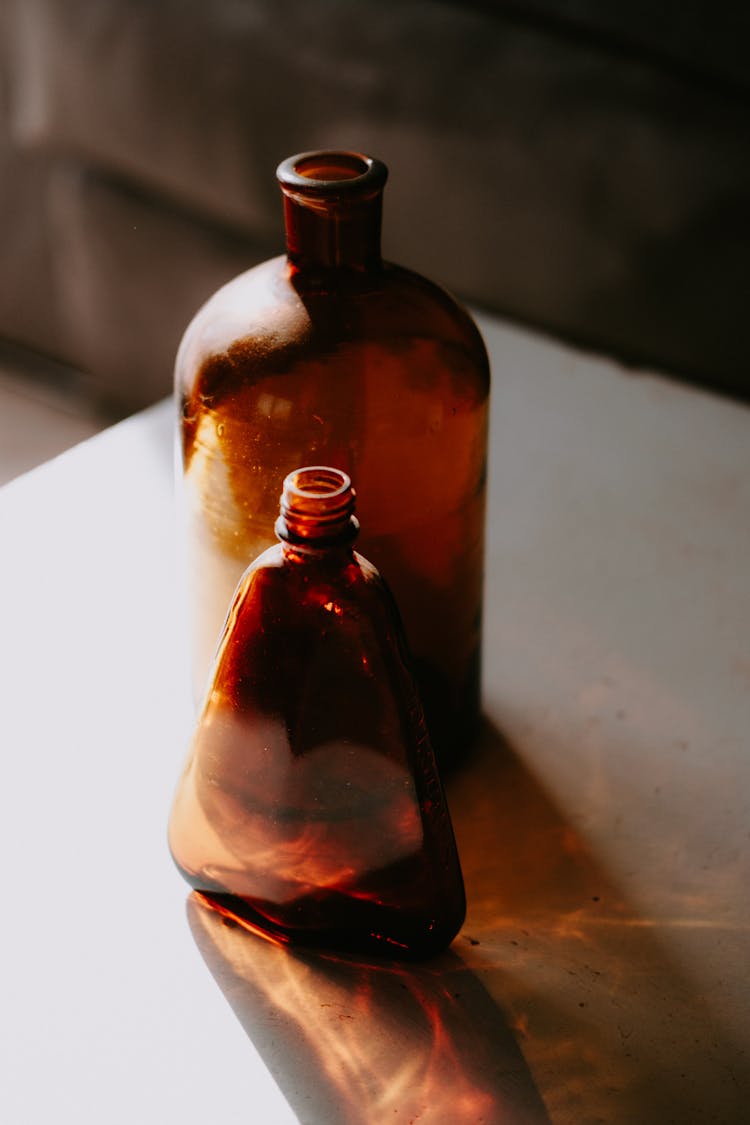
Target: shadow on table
[(554, 975), (351, 1042)]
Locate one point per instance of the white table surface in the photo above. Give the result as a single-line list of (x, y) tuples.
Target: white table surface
[(602, 974)]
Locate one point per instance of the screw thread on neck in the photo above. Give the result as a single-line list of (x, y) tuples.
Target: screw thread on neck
[(317, 508)]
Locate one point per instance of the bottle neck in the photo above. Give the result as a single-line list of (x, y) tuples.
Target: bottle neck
[(332, 210), (317, 511)]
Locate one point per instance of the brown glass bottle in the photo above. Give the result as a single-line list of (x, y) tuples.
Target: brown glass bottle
[(330, 355), (310, 807)]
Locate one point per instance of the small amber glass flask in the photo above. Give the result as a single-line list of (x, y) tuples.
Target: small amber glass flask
[(310, 807)]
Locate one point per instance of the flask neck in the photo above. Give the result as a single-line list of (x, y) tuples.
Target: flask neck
[(332, 210), (317, 511)]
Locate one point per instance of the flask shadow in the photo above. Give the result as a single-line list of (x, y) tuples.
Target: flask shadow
[(350, 1042)]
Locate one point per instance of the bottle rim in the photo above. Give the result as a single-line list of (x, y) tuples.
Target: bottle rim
[(317, 506), (331, 172)]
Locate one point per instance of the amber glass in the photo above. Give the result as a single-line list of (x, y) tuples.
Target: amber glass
[(310, 807), (330, 355)]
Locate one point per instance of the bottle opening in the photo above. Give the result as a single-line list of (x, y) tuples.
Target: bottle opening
[(316, 486), (331, 172), (317, 505), (332, 166)]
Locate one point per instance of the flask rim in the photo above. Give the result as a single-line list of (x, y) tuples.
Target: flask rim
[(317, 507), (349, 173)]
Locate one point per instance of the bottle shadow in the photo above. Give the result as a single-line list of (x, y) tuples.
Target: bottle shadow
[(350, 1041), (612, 1018), (557, 1002)]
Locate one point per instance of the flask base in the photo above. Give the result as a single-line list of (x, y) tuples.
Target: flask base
[(335, 922)]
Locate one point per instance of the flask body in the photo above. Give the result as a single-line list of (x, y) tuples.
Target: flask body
[(376, 372), (310, 807)]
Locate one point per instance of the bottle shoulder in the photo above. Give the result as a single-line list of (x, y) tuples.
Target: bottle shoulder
[(330, 592), (309, 575), (246, 318), (311, 580), (418, 299), (270, 318)]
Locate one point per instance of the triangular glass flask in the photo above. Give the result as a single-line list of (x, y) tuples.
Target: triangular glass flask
[(310, 807)]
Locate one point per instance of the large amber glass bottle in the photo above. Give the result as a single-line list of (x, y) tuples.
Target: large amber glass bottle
[(329, 355), (310, 807)]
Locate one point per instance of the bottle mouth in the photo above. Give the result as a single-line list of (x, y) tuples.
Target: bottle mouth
[(317, 506), (331, 172)]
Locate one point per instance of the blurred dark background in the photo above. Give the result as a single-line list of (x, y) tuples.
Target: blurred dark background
[(580, 166)]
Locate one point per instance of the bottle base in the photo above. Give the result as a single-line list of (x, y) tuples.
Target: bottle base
[(335, 923)]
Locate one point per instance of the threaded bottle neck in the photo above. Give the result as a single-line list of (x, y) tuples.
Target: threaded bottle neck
[(332, 209), (317, 508)]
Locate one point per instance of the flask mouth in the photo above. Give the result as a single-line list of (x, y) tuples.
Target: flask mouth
[(331, 172), (317, 507)]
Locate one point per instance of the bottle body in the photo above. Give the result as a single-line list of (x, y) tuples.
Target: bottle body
[(310, 808), (387, 381), (329, 355)]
